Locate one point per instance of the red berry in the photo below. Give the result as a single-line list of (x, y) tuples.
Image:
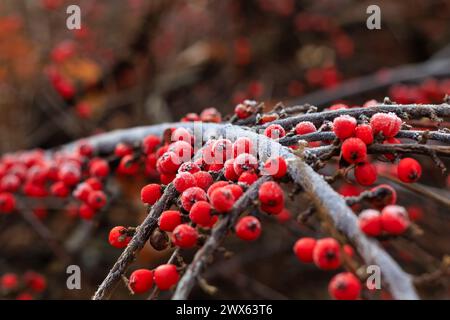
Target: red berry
[(35, 281), (386, 123), (149, 143), (10, 183), (9, 281), (183, 150), (244, 110), (203, 179), (215, 186), (168, 163), (276, 167), (118, 237), (24, 296), (69, 174), (248, 228), (85, 149), (275, 210), (275, 131), (370, 222), (242, 145), (222, 150), (385, 195), (354, 150), (338, 106), (82, 191), (141, 280), (151, 193), (344, 126), (59, 189), (182, 134), (190, 117), (236, 190), (229, 172), (189, 167), (166, 276), (305, 127), (245, 162), (166, 178), (97, 199), (94, 183), (191, 196), (222, 200), (270, 194), (184, 236), (210, 115), (123, 149), (415, 213), (284, 216), (394, 219), (409, 170), (86, 212), (327, 254), (390, 156), (348, 250), (215, 167), (183, 181), (304, 249), (7, 202), (344, 286), (248, 178), (201, 213), (365, 173), (169, 220), (40, 212), (364, 132), (98, 168)]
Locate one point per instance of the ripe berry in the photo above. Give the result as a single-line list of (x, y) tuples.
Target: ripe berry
[(150, 193), (210, 115), (215, 186), (168, 163), (201, 213), (242, 145), (141, 280), (166, 178), (9, 281), (123, 149), (276, 167), (344, 126), (86, 212), (409, 170), (245, 162), (85, 149), (169, 220), (182, 134), (394, 219), (7, 202), (370, 222), (248, 178), (304, 249), (24, 296), (191, 196), (364, 132), (386, 123), (222, 150), (69, 174), (236, 190), (284, 216), (98, 168), (94, 183), (415, 213), (354, 150), (270, 194), (118, 237), (59, 189), (182, 149), (35, 281), (326, 254), (190, 167), (248, 228), (97, 199), (128, 165), (305, 127), (184, 236), (229, 172), (10, 183), (384, 195), (166, 276), (275, 210), (222, 200), (348, 250), (275, 131), (183, 181), (203, 179), (344, 286), (365, 173), (149, 143), (244, 110)]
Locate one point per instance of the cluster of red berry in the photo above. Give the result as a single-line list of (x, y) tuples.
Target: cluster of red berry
[(429, 91), (24, 287)]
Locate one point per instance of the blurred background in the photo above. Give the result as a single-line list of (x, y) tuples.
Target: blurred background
[(139, 62)]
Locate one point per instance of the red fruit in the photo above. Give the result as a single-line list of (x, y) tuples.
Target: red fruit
[(151, 193), (128, 165), (229, 172), (370, 222), (366, 173), (210, 115), (203, 179), (275, 131), (166, 178), (182, 134), (354, 150), (244, 110), (284, 216), (394, 219), (149, 143), (304, 249), (236, 190), (85, 149), (141, 280), (364, 132), (182, 149), (40, 212), (35, 281), (168, 163), (191, 196), (276, 167), (184, 236), (7, 202), (166, 276), (86, 212), (245, 162), (275, 210), (59, 189), (190, 117), (94, 183), (242, 145), (189, 167), (344, 286), (215, 167), (348, 250), (390, 156), (338, 106), (270, 194), (10, 183), (24, 296), (118, 237), (248, 178), (305, 127), (326, 254), (248, 228), (386, 123), (123, 149), (201, 213), (97, 199), (344, 126), (222, 150), (183, 181), (169, 220), (222, 200), (385, 195), (82, 191), (415, 213), (409, 170), (69, 174), (9, 281), (98, 168), (215, 186)]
